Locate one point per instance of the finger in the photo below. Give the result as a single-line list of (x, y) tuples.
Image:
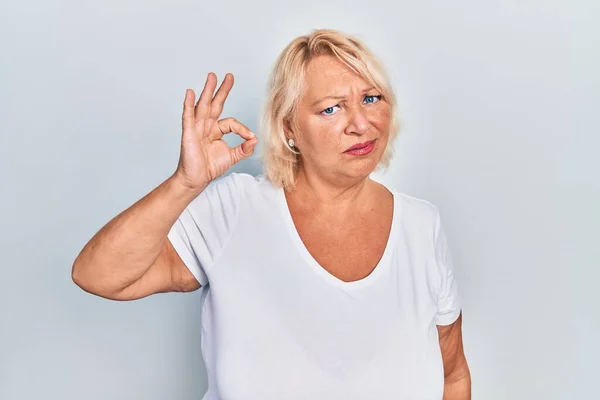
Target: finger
[(216, 107), (203, 106), (243, 150), (232, 125), (187, 118), (248, 146)]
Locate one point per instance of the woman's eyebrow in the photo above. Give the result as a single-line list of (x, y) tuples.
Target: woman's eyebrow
[(328, 97), (339, 97)]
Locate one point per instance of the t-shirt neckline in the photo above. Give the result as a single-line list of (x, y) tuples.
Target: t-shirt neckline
[(314, 264)]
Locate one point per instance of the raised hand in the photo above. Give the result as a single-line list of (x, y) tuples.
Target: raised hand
[(204, 154)]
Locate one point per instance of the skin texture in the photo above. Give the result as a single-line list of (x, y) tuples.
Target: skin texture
[(327, 128), (457, 376)]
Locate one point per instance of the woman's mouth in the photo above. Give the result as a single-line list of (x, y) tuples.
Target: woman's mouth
[(361, 149)]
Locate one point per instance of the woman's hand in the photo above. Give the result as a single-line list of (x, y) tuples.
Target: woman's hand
[(204, 154)]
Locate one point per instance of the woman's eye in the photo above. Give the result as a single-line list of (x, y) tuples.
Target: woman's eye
[(328, 110), (372, 99), (368, 100)]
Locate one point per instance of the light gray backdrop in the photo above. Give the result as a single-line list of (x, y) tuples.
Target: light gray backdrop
[(500, 130)]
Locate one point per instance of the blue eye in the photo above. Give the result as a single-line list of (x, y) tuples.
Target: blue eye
[(328, 110), (372, 99), (368, 100)]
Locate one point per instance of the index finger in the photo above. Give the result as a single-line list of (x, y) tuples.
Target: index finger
[(231, 125), (188, 109)]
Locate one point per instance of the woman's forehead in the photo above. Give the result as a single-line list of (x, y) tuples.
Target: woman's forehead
[(326, 68), (328, 76)]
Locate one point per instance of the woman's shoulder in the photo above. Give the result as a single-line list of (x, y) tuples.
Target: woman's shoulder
[(417, 203), (415, 210)]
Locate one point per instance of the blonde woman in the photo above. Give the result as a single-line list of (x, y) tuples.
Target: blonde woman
[(322, 284)]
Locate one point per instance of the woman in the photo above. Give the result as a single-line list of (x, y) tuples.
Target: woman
[(323, 283)]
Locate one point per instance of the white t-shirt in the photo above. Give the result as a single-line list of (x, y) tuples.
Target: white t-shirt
[(277, 326)]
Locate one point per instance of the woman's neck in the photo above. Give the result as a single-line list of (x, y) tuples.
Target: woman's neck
[(319, 193)]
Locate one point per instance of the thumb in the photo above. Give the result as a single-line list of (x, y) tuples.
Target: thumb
[(244, 150)]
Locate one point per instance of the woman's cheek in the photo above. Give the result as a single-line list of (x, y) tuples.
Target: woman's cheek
[(382, 122)]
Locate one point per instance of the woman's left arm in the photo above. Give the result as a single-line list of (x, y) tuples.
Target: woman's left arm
[(457, 377)]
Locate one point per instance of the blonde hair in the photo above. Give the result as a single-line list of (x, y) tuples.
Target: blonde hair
[(285, 87)]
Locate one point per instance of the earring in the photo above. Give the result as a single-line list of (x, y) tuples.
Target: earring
[(291, 142)]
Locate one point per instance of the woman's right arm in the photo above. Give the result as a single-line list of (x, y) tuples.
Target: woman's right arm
[(131, 256)]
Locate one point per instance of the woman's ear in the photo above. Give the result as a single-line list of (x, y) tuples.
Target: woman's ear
[(287, 128)]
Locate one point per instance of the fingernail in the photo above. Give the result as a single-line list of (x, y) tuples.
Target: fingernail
[(252, 133)]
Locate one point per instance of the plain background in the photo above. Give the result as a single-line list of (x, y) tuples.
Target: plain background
[(500, 130)]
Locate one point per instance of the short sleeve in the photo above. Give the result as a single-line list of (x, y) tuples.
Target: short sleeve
[(449, 304), (202, 231)]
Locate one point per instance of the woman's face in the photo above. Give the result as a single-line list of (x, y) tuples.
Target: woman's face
[(342, 122)]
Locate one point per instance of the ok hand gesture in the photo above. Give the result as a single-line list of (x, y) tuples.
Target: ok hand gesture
[(204, 154)]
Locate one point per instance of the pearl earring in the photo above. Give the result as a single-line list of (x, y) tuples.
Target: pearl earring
[(291, 142)]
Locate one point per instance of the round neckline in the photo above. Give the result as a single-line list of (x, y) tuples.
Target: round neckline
[(318, 268)]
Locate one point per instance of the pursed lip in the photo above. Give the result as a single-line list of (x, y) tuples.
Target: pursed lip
[(359, 145)]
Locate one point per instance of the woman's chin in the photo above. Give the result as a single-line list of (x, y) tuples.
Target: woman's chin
[(360, 170)]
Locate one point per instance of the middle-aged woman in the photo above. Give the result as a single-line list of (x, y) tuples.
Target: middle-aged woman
[(322, 284)]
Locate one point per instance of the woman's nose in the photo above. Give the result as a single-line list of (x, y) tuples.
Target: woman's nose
[(358, 123)]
